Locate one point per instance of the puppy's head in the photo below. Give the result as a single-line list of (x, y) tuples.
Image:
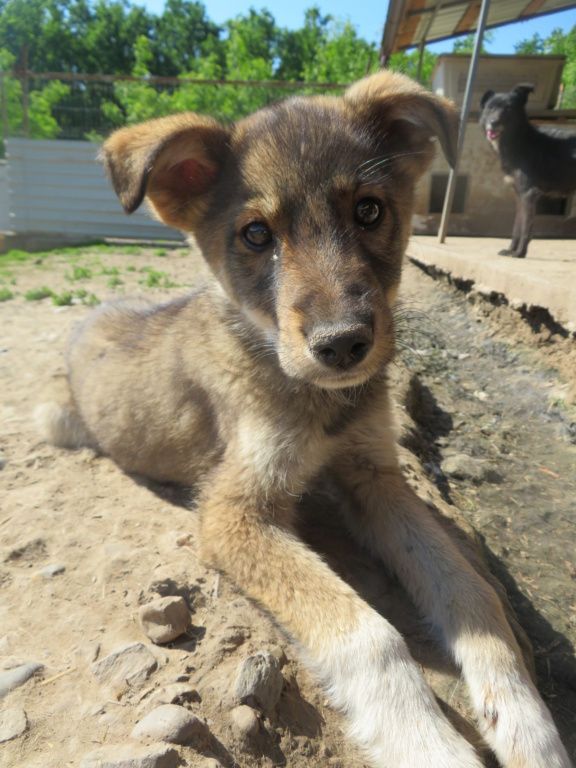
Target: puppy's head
[(302, 210), (503, 111)]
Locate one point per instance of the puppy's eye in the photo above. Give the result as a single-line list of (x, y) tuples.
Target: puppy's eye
[(368, 211), (257, 235)]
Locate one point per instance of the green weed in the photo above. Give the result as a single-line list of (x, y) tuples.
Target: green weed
[(115, 281), (157, 279), (79, 273), (63, 299), (160, 252), (6, 294), (36, 294)]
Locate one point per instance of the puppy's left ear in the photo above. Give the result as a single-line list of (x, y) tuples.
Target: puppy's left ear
[(406, 115), (521, 92)]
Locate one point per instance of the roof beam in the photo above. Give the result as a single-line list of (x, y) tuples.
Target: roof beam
[(469, 17), (409, 23), (532, 7)]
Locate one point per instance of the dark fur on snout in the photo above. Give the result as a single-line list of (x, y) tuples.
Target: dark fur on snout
[(540, 161), (274, 375)]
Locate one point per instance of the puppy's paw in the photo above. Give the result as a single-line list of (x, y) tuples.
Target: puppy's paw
[(520, 730), (391, 712)]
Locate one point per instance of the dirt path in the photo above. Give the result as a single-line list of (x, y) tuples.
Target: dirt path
[(475, 393)]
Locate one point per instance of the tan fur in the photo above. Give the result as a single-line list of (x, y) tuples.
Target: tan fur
[(276, 372)]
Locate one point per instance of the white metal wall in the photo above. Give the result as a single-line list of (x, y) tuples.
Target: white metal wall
[(58, 187), (4, 198)]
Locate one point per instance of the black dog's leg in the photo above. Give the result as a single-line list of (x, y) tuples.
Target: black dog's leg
[(522, 225), (515, 232)]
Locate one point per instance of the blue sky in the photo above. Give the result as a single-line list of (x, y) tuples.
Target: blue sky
[(368, 17)]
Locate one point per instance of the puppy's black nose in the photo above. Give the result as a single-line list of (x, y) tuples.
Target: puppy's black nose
[(343, 348)]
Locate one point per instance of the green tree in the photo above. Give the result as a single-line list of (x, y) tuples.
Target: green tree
[(557, 43), (407, 63), (466, 44), (181, 36), (341, 57), (41, 103), (296, 48)]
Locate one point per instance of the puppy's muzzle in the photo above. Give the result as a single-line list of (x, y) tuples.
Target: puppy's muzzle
[(341, 347)]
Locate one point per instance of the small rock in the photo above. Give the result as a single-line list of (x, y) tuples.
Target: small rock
[(245, 721), (3, 462), (259, 681), (464, 467), (209, 762), (16, 677), (279, 654), (132, 664), (164, 619), (132, 756), (13, 723), (169, 723), (49, 571)]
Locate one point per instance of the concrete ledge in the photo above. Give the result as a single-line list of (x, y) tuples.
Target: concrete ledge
[(546, 278)]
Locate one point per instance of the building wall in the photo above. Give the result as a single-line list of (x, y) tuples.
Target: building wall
[(489, 204), (57, 188)]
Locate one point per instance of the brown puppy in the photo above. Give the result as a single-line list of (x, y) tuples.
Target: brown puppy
[(276, 372)]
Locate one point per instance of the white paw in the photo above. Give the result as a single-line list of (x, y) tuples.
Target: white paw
[(519, 728), (390, 710)]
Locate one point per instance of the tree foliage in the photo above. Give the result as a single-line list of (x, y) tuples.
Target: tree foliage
[(558, 43), (118, 37)]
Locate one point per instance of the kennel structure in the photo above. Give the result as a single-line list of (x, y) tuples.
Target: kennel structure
[(484, 204), (475, 198)]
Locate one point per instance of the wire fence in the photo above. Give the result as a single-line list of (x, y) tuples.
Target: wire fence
[(57, 105)]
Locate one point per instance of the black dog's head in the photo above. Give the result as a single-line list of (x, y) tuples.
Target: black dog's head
[(504, 111)]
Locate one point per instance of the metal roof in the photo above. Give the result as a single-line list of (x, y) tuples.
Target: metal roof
[(412, 23)]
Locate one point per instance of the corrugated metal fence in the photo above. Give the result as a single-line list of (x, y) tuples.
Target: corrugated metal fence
[(4, 198), (59, 188)]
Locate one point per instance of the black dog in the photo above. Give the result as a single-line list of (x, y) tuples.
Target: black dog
[(540, 161)]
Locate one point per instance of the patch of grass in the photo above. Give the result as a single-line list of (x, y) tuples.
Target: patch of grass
[(63, 299), (91, 300), (15, 255), (160, 252), (36, 294), (131, 268), (109, 271), (131, 250), (157, 279), (115, 281), (79, 273), (6, 294), (145, 269)]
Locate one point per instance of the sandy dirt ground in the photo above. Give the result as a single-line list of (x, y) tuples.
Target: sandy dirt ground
[(472, 384)]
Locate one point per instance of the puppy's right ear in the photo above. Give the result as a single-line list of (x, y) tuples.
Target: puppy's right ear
[(173, 162), (484, 99)]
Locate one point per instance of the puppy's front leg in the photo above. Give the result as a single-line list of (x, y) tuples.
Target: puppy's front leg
[(395, 524), (360, 658)]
